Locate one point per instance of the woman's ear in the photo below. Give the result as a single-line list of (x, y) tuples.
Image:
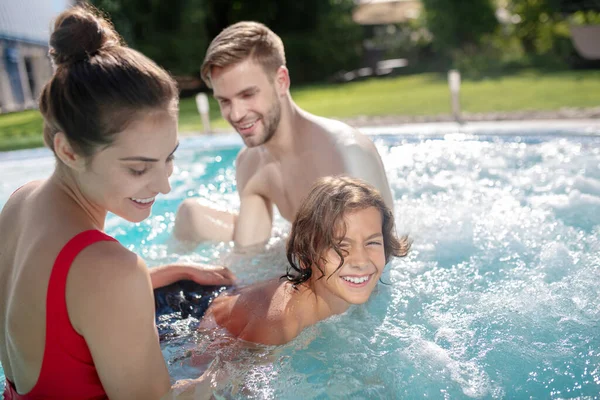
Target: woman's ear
[(64, 151)]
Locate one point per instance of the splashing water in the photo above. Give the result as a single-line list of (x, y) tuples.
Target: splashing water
[(497, 299)]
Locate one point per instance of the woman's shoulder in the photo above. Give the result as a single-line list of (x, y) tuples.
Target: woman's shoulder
[(107, 260), (14, 211), (106, 279), (26, 189), (19, 195)]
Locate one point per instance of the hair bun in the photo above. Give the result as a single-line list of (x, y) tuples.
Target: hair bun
[(80, 33)]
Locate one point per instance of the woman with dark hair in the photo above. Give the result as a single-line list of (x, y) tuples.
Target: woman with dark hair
[(341, 240), (76, 307)]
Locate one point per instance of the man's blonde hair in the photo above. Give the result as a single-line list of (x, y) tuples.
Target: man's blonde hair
[(241, 41)]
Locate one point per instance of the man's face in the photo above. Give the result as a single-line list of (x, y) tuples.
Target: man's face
[(248, 100)]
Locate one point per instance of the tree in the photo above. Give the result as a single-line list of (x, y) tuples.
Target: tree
[(543, 30), (319, 36), (170, 32), (459, 24)]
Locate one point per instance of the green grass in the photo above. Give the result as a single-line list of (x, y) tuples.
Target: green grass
[(189, 119), (414, 95), (21, 130), (427, 94)]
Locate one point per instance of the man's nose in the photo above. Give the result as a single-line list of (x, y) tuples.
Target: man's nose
[(238, 111)]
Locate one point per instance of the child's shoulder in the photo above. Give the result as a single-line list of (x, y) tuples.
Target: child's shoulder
[(259, 313), (282, 320)]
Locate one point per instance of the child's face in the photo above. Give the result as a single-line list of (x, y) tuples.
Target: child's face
[(364, 259)]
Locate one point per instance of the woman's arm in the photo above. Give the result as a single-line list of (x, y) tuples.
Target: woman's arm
[(110, 303), (204, 274)]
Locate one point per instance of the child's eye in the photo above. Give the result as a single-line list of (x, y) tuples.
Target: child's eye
[(171, 158)]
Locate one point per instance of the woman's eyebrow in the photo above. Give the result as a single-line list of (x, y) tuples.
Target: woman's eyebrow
[(146, 159), (138, 158), (175, 149)]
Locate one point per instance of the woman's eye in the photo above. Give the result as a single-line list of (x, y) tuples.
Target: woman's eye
[(137, 172), (374, 243)]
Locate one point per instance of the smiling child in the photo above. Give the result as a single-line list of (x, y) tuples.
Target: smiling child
[(341, 240)]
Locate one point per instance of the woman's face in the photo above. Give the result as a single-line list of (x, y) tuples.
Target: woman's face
[(125, 177), (364, 259)]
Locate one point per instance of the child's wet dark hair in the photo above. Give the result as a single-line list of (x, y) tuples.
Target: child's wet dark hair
[(317, 224)]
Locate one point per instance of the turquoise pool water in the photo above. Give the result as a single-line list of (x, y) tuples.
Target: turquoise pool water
[(499, 297)]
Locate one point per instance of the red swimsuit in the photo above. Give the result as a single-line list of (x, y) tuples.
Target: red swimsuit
[(68, 370)]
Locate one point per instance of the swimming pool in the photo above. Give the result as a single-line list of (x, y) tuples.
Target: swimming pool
[(499, 297)]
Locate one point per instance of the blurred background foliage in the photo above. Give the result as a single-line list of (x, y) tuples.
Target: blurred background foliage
[(513, 55), (479, 37), (319, 35)]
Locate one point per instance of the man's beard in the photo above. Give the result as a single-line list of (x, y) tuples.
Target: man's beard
[(271, 123)]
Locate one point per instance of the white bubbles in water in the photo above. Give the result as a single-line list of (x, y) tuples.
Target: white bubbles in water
[(555, 261), (499, 297)]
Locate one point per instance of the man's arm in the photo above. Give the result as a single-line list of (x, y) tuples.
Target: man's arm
[(255, 219), (254, 222)]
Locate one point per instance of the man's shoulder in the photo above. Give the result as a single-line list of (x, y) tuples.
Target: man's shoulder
[(252, 157), (247, 155), (247, 164), (331, 126), (353, 147), (341, 134)]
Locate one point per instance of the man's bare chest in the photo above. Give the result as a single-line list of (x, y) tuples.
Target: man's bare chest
[(286, 184)]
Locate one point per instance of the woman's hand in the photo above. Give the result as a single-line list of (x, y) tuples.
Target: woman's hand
[(203, 274), (190, 389), (204, 387), (210, 275)]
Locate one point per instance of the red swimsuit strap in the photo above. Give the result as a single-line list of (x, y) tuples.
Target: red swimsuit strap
[(61, 337), (56, 299)]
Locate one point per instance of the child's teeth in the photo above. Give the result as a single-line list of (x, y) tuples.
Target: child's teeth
[(356, 279)]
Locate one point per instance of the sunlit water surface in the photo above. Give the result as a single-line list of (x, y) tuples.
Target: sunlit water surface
[(499, 297)]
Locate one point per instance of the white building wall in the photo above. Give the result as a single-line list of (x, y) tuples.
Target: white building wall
[(26, 26), (29, 20)]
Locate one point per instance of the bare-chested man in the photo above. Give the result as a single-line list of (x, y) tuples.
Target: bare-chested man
[(287, 149)]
